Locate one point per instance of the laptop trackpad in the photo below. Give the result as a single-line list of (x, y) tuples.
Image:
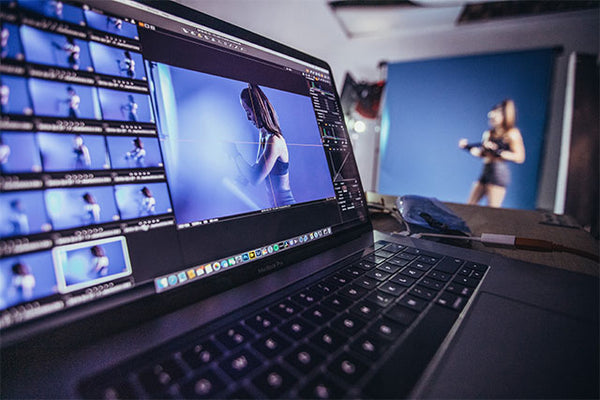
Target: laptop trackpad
[(506, 348)]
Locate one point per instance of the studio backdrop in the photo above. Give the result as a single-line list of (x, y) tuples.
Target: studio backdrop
[(430, 105)]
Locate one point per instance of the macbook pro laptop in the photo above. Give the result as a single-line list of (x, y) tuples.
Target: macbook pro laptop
[(181, 216)]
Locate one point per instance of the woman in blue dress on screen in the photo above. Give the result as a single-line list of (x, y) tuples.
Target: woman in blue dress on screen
[(272, 157), (502, 142)]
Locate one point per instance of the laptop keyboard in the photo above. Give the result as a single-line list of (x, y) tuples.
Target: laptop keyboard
[(368, 328)]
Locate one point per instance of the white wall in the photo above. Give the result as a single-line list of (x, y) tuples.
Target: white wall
[(310, 26)]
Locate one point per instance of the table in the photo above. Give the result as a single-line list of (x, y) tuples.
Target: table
[(522, 223)]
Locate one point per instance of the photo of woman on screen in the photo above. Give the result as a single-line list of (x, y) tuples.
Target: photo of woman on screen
[(23, 281), (99, 262), (502, 142), (272, 158), (82, 158)]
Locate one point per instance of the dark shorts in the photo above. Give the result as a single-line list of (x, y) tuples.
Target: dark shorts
[(495, 173)]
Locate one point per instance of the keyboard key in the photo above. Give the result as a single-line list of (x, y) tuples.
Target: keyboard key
[(201, 354), (321, 387), (380, 244), (365, 310), (449, 265), (452, 301), (459, 289), (398, 261), (323, 288), (304, 358), (412, 272), (465, 271), (328, 340), (340, 279), (381, 299), (476, 275), (352, 272), (431, 284), (297, 328), (337, 303), (440, 276), (204, 386), (285, 309), (318, 315), (239, 364), (234, 336), (388, 267), (262, 321), (394, 247), (157, 378), (352, 292), (366, 282), (470, 282), (274, 381), (271, 345), (347, 367), (365, 265), (401, 315), (119, 390), (403, 280), (423, 292), (369, 346), (392, 288), (374, 259), (405, 256), (413, 303), (378, 275), (419, 252), (384, 253), (428, 259), (347, 324), (387, 329), (307, 297), (477, 266), (420, 265)]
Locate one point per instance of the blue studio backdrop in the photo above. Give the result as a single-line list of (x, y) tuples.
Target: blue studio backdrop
[(431, 104)]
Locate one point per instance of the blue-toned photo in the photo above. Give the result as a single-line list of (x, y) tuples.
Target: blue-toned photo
[(57, 99), (19, 153), (26, 278), (231, 147), (125, 106), (110, 24), (49, 48), (75, 207), (114, 61), (10, 42), (61, 152), (134, 152), (142, 200), (14, 97), (23, 213), (55, 9), (85, 264)]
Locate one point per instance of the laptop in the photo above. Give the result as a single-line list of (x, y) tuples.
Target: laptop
[(182, 217)]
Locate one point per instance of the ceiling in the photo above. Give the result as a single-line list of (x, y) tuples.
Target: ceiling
[(363, 18)]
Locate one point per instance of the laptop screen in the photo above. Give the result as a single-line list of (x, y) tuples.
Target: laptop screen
[(142, 152)]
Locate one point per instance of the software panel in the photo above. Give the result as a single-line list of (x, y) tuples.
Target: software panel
[(123, 166)]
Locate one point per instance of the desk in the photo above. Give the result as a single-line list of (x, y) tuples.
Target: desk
[(523, 223)]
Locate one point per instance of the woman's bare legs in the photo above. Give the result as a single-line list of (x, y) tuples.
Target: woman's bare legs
[(495, 195), (477, 192)]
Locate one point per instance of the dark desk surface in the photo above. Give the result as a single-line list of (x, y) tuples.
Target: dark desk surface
[(523, 223)]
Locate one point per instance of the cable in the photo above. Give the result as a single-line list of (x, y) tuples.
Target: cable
[(494, 239)]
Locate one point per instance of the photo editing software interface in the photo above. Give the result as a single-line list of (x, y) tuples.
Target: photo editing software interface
[(141, 152)]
